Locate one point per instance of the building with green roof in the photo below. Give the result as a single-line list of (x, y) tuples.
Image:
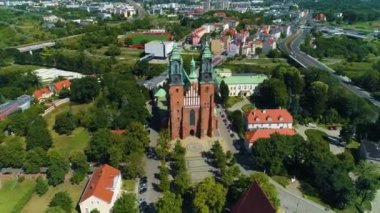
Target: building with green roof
[(239, 84)]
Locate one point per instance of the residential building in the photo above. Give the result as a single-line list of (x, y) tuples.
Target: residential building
[(191, 98), (239, 84), (269, 45), (251, 137), (268, 119), (254, 200), (102, 190), (42, 94), (197, 34), (217, 46)]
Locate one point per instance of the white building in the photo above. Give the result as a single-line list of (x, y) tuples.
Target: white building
[(269, 119), (49, 74), (160, 49), (102, 190), (239, 85)]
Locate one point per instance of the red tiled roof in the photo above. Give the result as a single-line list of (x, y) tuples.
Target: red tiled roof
[(38, 93), (61, 84), (119, 131), (269, 116), (101, 183), (253, 136), (253, 200)]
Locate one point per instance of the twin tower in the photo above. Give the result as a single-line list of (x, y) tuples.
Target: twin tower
[(191, 97)]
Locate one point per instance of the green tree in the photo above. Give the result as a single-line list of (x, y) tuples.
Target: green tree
[(367, 182), (95, 211), (163, 144), (272, 94), (55, 209), (347, 132), (38, 135), (134, 165), (224, 91), (84, 90), (209, 196), (125, 204), (182, 181), (58, 167), (62, 200), (80, 166), (65, 123), (169, 203), (238, 121), (12, 153), (137, 138), (41, 186), (317, 97), (164, 177), (35, 159), (99, 146), (113, 50)]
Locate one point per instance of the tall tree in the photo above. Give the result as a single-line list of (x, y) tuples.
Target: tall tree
[(163, 144), (58, 167), (224, 91), (209, 196), (164, 177), (65, 123), (125, 204), (317, 97), (35, 159), (99, 146), (38, 135), (272, 94), (80, 166), (347, 132), (84, 90), (41, 186), (169, 203), (62, 200)]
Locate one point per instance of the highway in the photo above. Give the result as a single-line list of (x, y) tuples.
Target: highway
[(309, 62)]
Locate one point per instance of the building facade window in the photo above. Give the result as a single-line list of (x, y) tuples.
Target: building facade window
[(192, 117)]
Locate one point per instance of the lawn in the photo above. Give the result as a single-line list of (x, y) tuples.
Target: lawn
[(253, 65), (16, 68), (65, 144), (129, 185), (233, 100), (353, 69), (138, 39), (12, 192), (40, 204), (282, 180), (247, 107), (369, 25)]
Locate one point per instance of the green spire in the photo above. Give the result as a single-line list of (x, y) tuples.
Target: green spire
[(176, 55), (193, 75), (206, 52)]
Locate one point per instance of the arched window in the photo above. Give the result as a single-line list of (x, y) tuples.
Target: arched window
[(192, 117)]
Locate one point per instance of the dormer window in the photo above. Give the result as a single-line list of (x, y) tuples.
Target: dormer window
[(269, 118), (280, 118), (257, 119)]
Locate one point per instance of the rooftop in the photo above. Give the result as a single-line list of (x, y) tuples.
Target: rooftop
[(269, 116), (243, 79), (253, 136)]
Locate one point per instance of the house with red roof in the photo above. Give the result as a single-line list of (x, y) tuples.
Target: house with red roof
[(58, 86), (42, 94), (102, 190), (254, 200), (51, 89), (268, 119), (251, 137)]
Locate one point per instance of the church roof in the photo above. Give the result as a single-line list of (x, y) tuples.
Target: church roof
[(193, 74), (206, 52), (160, 93), (175, 53)]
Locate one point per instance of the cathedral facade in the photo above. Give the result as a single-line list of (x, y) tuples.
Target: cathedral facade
[(191, 97)]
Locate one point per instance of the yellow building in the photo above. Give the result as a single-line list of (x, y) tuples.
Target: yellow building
[(217, 46)]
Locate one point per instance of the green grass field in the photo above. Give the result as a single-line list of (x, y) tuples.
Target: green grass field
[(16, 68), (137, 39), (11, 192), (369, 25), (252, 65), (129, 185), (66, 144), (40, 204), (353, 69), (233, 100)]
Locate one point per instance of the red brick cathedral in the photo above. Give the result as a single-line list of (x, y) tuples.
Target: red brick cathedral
[(191, 98)]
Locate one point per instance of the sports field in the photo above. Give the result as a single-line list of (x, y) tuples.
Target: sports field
[(143, 38)]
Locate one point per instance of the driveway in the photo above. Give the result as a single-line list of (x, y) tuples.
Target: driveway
[(334, 134), (239, 105)]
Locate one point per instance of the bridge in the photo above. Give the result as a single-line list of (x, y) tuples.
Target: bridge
[(33, 47)]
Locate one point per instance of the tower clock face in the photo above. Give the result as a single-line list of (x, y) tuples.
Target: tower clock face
[(206, 77)]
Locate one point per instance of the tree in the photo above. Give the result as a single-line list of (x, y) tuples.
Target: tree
[(84, 90), (41, 186), (35, 159), (272, 94), (169, 203), (62, 200), (99, 146), (137, 138), (347, 132), (12, 153), (58, 167), (224, 91), (38, 135), (79, 165), (182, 182), (134, 165), (209, 196), (317, 97), (95, 211), (55, 209), (164, 177), (125, 204), (141, 68), (238, 121), (163, 144), (178, 152), (65, 123), (367, 182), (113, 50)]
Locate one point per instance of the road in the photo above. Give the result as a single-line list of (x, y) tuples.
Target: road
[(305, 60)]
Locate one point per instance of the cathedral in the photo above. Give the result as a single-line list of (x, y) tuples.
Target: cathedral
[(191, 97)]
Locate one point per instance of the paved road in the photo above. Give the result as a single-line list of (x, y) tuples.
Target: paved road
[(294, 51), (239, 105)]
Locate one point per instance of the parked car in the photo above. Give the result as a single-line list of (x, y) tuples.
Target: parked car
[(142, 190)]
